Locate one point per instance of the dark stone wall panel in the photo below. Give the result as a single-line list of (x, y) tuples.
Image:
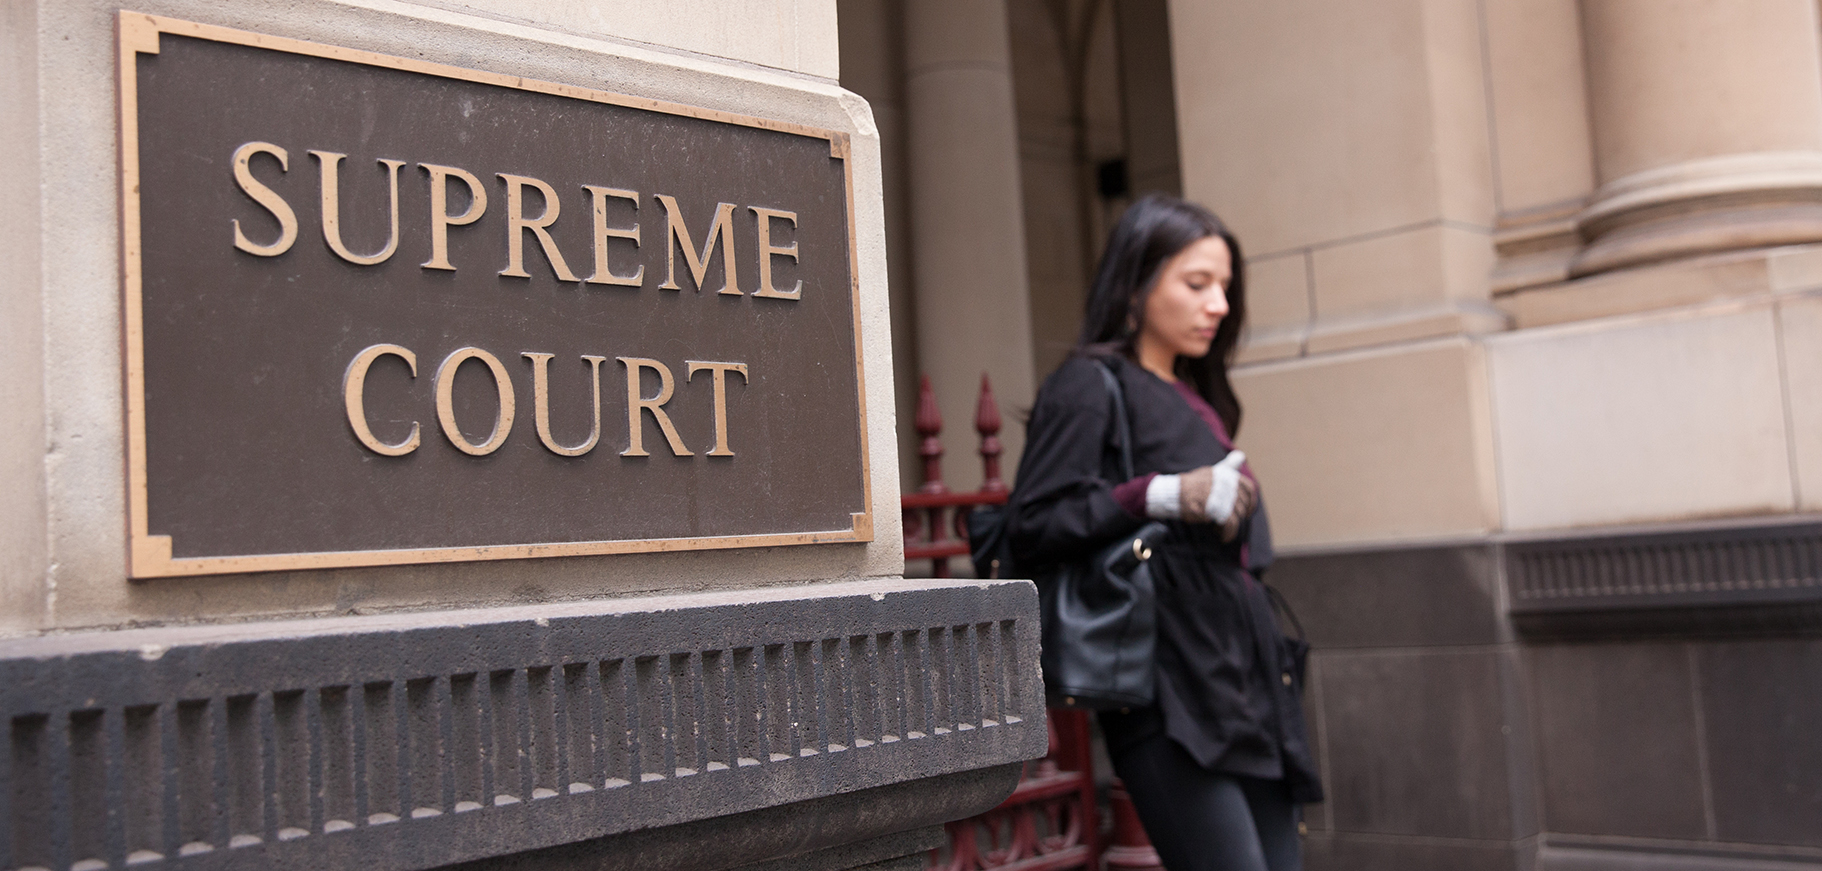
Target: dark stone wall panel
[(1415, 744), (1317, 817), (1662, 688), (1406, 597), (1618, 738), (1763, 704), (1342, 852), (1634, 856)]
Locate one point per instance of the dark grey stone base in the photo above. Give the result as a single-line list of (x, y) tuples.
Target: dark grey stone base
[(910, 851), (1356, 852), (1636, 858), (1631, 699), (707, 731), (880, 825)]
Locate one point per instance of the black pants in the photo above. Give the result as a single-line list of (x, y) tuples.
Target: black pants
[(1203, 821)]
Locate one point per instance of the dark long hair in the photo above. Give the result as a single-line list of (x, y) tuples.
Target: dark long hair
[(1151, 232)]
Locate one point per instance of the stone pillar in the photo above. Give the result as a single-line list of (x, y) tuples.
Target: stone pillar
[(967, 223), (23, 462), (1707, 128), (1148, 96), (873, 66)]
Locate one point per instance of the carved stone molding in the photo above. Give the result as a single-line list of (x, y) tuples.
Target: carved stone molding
[(1700, 207), (1727, 578)]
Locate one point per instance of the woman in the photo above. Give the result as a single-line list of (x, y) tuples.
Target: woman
[(1219, 765)]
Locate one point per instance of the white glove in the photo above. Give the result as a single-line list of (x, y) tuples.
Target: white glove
[(1163, 497), (1225, 490)]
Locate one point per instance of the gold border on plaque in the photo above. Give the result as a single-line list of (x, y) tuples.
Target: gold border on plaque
[(149, 555)]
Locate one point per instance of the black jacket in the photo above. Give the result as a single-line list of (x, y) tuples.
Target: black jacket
[(1221, 657)]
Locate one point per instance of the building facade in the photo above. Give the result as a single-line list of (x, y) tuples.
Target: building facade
[(1532, 381), (1531, 376)]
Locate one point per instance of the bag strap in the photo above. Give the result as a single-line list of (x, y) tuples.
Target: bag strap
[(1284, 607), (1122, 427)]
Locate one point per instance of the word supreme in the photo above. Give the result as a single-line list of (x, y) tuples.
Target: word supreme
[(720, 232), (354, 398)]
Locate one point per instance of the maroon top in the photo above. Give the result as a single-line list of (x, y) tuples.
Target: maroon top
[(1131, 494)]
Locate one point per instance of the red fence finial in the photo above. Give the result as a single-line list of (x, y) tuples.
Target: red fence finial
[(930, 426), (987, 423)]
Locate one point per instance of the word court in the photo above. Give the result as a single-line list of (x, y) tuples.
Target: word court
[(426, 314), (354, 397)]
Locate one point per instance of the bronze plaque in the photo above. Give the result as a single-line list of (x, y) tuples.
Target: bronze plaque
[(384, 311)]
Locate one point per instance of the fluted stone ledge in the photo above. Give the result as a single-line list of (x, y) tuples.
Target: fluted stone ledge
[(420, 740)]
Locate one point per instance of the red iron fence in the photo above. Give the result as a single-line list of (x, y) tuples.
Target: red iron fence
[(936, 520), (1049, 823), (1052, 821)]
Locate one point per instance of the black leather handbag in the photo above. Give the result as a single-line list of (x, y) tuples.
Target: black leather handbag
[(1100, 622), (1100, 627), (1099, 615)]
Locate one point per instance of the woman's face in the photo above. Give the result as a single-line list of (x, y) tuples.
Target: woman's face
[(1188, 302)]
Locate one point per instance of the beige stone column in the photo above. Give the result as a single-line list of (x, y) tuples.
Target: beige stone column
[(967, 222), (1707, 124), (1148, 96), (873, 66), (27, 589)]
